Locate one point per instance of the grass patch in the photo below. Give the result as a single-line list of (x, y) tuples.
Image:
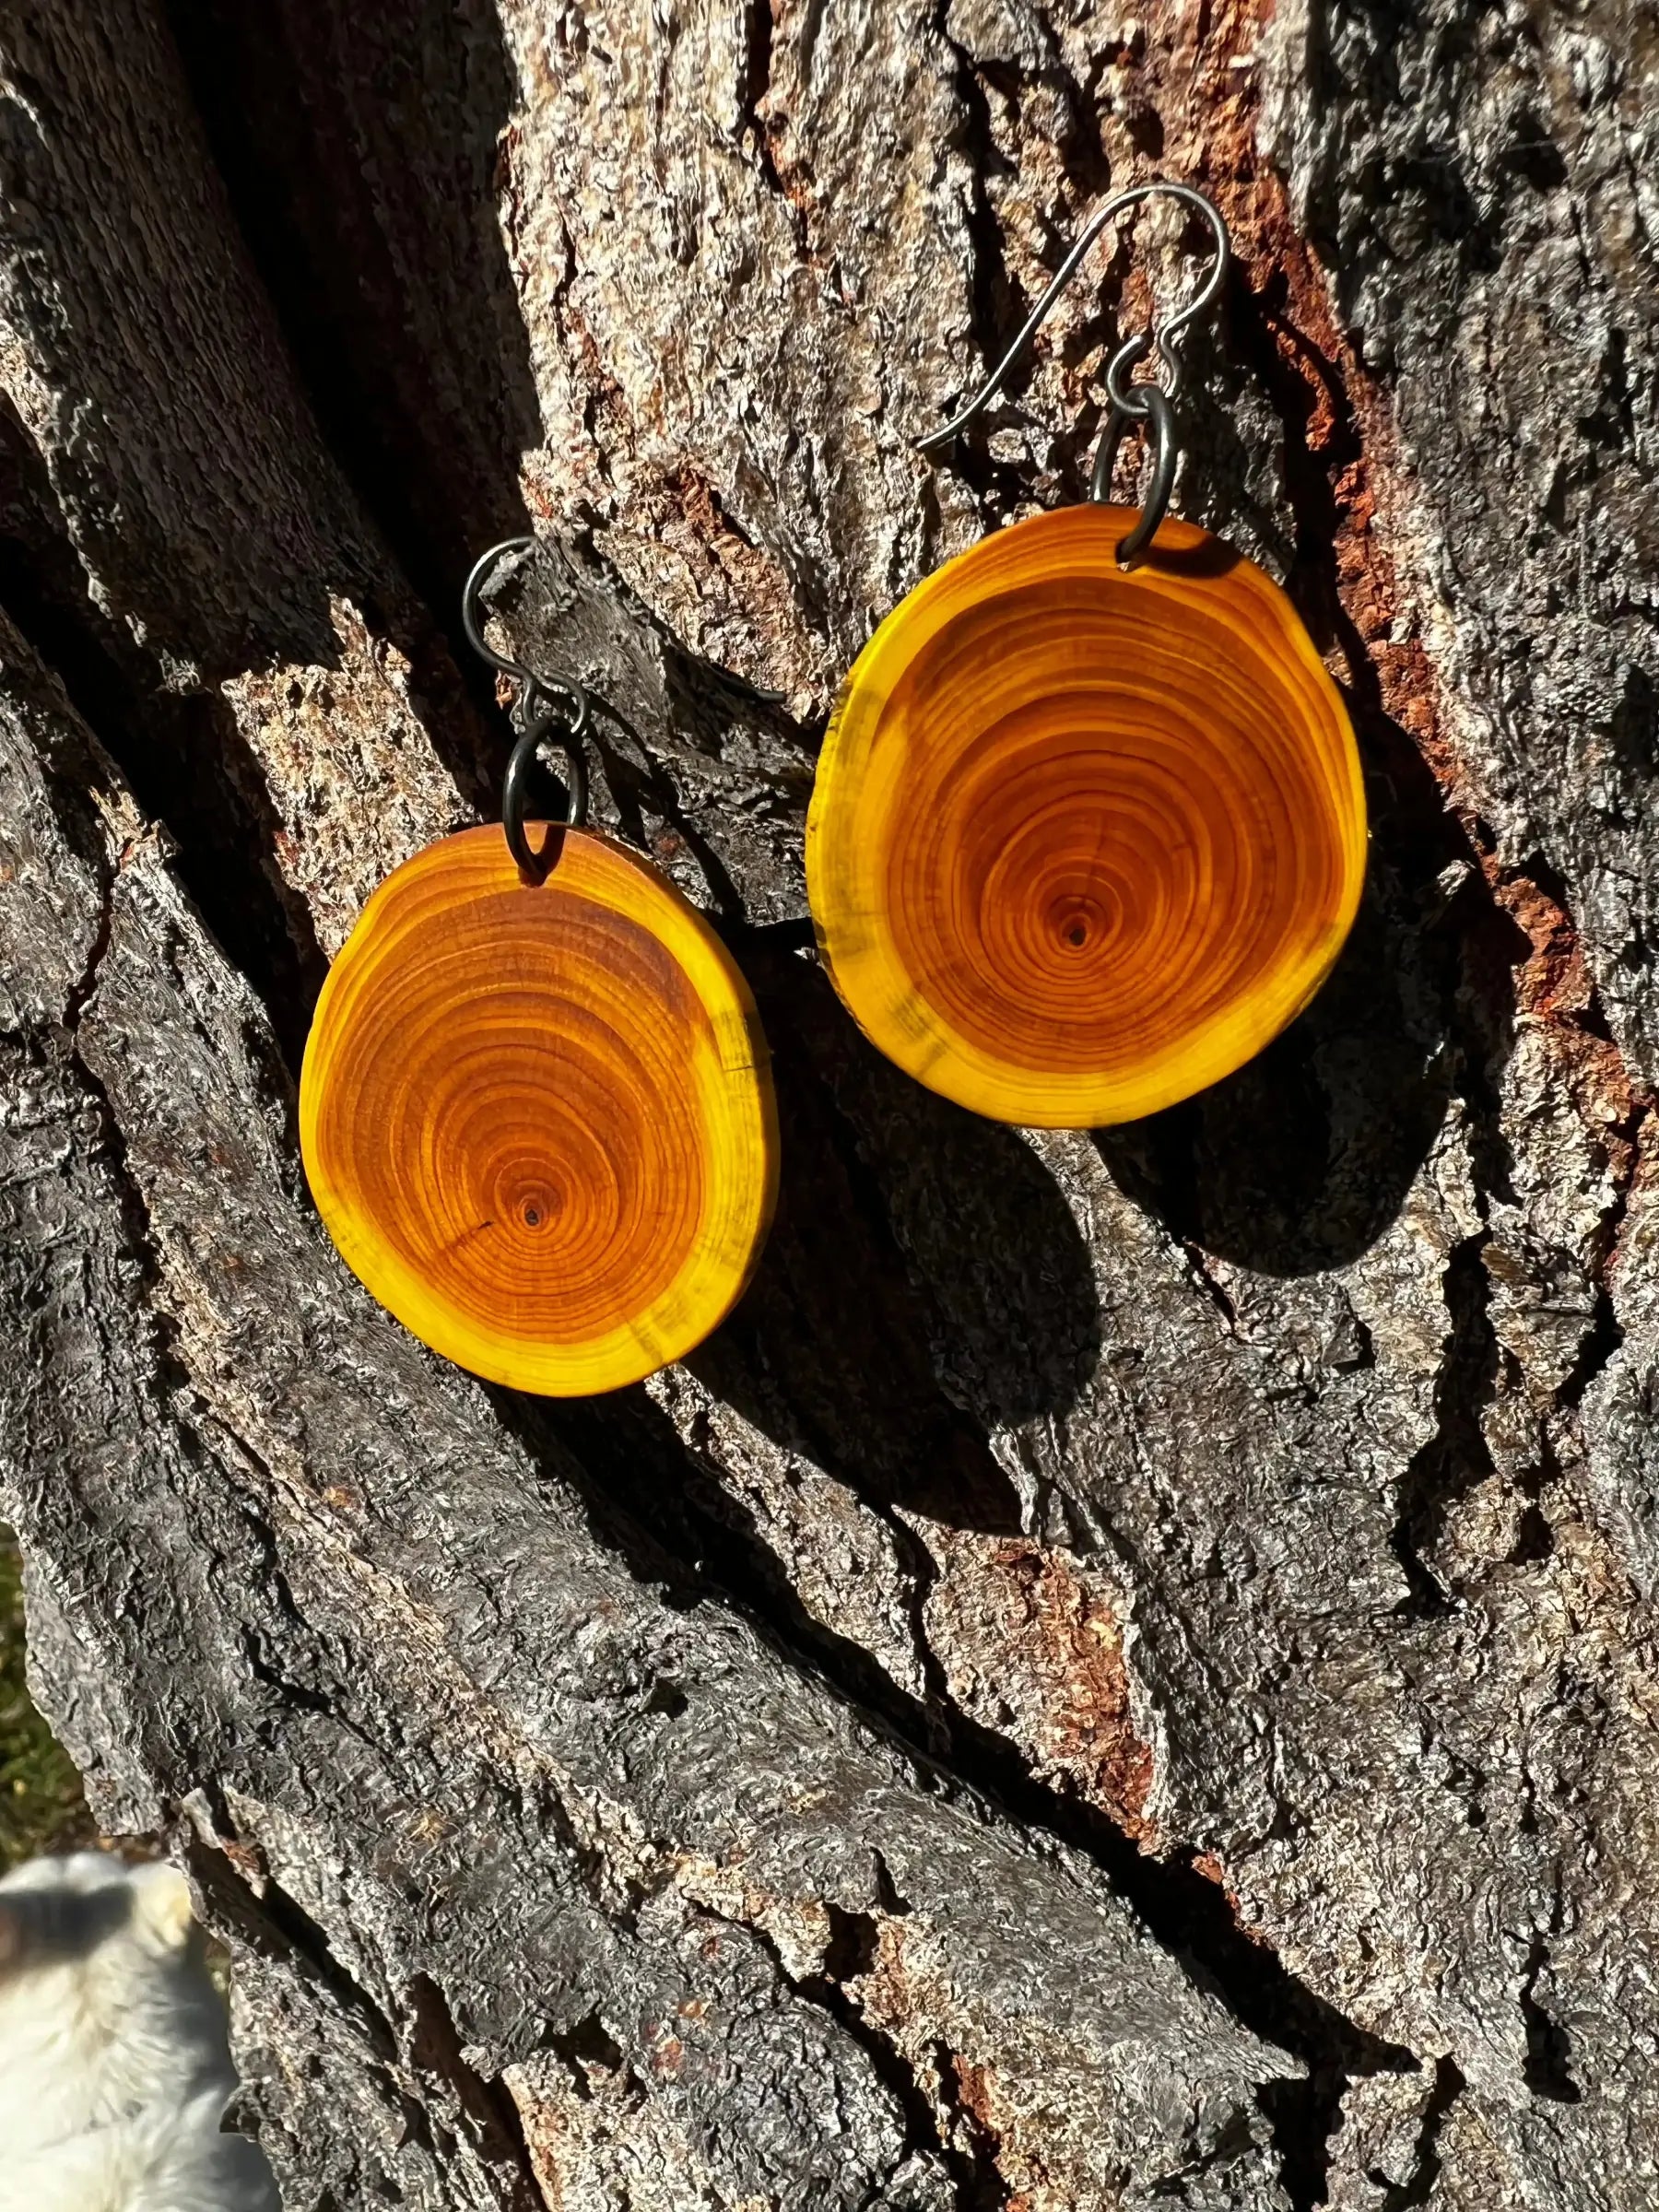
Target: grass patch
[(42, 1804)]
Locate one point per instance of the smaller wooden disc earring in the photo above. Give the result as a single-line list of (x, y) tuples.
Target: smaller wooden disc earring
[(537, 1109), (1087, 828)]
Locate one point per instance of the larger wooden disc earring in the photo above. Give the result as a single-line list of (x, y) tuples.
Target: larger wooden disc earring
[(537, 1119), (1087, 828), (1084, 839)]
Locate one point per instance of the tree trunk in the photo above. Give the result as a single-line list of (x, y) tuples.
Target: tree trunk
[(1125, 1672)]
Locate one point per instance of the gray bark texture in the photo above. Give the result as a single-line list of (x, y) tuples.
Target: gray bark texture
[(1125, 1674)]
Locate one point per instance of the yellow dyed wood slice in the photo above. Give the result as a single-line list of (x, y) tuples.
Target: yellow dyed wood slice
[(1085, 839), (538, 1120)]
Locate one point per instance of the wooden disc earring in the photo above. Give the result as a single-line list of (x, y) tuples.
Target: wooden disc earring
[(1087, 828), (536, 1108)]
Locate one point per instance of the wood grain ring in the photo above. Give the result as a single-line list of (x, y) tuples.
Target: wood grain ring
[(538, 1119), (1083, 840)]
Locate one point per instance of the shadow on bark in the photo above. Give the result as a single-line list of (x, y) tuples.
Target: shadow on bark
[(360, 147), (925, 1281), (187, 763), (1299, 1162)]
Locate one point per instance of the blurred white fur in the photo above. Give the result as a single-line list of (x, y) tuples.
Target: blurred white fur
[(114, 2064)]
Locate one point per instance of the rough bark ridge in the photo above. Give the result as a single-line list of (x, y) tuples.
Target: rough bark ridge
[(1126, 1671)]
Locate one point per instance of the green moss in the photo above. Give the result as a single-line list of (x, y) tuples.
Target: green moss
[(41, 1807)]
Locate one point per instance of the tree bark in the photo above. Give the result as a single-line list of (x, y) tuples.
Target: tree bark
[(1126, 1671)]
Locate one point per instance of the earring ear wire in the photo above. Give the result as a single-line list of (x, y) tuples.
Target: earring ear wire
[(549, 686), (1143, 401)]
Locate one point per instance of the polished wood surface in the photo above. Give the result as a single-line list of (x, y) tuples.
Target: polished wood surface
[(538, 1121), (1084, 839)]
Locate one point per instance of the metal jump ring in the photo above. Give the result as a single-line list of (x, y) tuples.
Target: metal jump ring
[(562, 696), (1156, 414), (1129, 353), (531, 866)]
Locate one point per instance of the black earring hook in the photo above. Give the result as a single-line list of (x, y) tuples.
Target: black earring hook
[(556, 711), (1143, 401)]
